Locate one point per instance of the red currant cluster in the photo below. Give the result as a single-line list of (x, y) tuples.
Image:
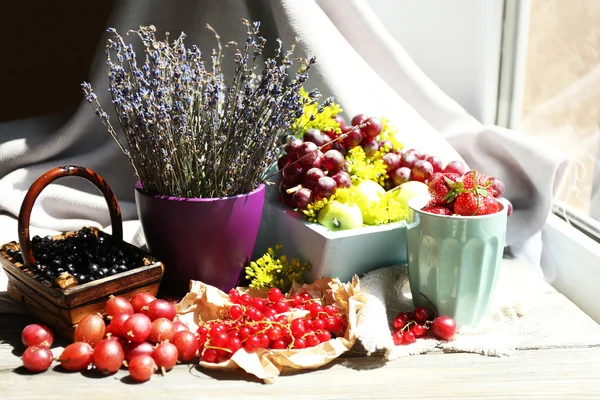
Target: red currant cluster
[(254, 323), (142, 334), (408, 327)]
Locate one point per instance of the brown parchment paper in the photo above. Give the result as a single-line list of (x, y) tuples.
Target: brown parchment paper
[(205, 303)]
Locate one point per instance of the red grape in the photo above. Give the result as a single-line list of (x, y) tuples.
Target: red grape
[(392, 161), (373, 127), (141, 300), (509, 207), (307, 153), (325, 187), (333, 161), (353, 139), (283, 161), (108, 356), (369, 146), (497, 187), (291, 148), (455, 167), (162, 329), (409, 160), (187, 345), (315, 136), (161, 309), (115, 327), (341, 122), (76, 356), (443, 327), (312, 176), (400, 175), (165, 355), (142, 367), (416, 153), (292, 173), (342, 179), (37, 335), (302, 198), (422, 170), (37, 358), (435, 162), (359, 119), (118, 305), (90, 329), (133, 349), (137, 328)]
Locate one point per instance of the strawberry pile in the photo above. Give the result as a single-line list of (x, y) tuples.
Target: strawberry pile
[(471, 193)]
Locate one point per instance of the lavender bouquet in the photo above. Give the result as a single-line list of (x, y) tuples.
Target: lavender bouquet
[(186, 132)]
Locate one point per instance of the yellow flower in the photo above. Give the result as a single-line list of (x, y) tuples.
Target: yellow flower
[(273, 271), (312, 118)]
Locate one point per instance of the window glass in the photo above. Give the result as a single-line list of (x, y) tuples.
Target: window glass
[(562, 94)]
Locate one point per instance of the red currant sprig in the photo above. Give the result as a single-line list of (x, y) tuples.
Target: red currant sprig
[(408, 327), (255, 323)]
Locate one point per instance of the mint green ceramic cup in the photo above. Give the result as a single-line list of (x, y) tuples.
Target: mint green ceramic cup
[(454, 261)]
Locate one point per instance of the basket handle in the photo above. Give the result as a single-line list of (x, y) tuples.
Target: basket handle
[(47, 178)]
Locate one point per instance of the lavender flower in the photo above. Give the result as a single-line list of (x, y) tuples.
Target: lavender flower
[(187, 132)]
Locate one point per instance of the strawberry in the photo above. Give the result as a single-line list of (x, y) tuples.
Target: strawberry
[(490, 205), (443, 188), (469, 178), (468, 203), (440, 210)]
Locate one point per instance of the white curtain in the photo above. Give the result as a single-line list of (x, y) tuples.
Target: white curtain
[(358, 62)]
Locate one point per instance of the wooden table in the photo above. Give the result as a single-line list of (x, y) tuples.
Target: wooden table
[(567, 371)]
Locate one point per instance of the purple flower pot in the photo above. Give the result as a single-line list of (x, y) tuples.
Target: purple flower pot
[(208, 240)]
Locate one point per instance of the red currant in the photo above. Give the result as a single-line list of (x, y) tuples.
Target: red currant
[(420, 314), (398, 337)]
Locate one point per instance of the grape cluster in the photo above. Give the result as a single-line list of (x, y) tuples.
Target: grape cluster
[(83, 255), (253, 323), (315, 167)]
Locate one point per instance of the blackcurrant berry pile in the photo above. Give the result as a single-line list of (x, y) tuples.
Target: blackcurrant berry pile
[(83, 255)]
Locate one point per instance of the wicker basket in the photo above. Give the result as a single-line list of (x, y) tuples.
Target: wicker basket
[(62, 308)]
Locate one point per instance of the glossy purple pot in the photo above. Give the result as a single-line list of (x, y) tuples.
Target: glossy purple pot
[(208, 240)]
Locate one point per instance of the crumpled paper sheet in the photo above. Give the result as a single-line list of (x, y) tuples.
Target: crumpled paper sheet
[(205, 303)]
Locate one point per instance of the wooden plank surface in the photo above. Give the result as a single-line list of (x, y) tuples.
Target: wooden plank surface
[(566, 373)]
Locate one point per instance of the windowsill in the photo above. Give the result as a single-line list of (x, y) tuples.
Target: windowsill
[(571, 263)]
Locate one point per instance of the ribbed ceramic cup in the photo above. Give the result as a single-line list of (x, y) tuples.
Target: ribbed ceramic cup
[(454, 261), (208, 240)]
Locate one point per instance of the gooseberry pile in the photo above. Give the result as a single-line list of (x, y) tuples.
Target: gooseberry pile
[(314, 167), (409, 326), (142, 334), (253, 323)]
